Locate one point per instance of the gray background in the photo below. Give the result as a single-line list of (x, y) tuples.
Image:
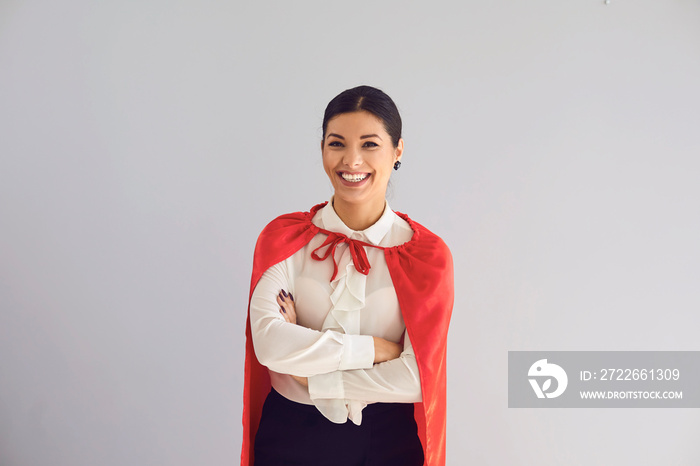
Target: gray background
[(144, 144)]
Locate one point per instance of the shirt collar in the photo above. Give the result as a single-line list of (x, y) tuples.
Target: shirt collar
[(374, 234)]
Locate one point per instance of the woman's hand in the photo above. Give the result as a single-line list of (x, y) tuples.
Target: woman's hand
[(286, 302), (385, 350), (302, 380)]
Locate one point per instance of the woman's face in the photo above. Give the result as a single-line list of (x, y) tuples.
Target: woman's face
[(358, 156)]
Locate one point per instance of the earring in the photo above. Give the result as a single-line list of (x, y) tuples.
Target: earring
[(397, 165)]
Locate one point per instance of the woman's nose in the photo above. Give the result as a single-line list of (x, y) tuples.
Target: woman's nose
[(352, 158)]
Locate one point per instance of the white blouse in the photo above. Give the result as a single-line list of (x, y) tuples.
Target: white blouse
[(332, 343)]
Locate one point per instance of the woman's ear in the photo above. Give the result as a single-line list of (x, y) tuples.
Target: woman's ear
[(398, 152)]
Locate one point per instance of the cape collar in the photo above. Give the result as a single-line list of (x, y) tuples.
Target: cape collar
[(415, 239), (374, 234)]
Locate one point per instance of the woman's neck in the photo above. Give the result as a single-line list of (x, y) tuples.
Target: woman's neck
[(359, 217)]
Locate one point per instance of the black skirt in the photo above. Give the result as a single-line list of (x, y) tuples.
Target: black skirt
[(292, 433)]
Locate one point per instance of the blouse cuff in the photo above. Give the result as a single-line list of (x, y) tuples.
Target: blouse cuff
[(358, 352), (325, 386)]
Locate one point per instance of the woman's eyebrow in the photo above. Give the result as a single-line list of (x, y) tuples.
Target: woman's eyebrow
[(366, 136)]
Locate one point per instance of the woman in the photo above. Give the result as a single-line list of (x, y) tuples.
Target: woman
[(349, 310)]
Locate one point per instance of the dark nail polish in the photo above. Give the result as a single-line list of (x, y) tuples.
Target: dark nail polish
[(283, 310), (291, 297), (284, 293), (280, 295)]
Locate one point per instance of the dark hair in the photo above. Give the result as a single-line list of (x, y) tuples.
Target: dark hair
[(369, 99)]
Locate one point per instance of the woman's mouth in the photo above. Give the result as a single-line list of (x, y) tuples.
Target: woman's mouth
[(353, 179)]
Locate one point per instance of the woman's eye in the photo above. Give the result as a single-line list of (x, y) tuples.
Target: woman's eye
[(371, 144), (335, 144)]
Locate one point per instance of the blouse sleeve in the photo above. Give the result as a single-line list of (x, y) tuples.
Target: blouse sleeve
[(292, 349), (394, 381)]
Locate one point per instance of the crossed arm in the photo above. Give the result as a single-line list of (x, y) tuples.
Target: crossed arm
[(384, 350), (331, 364)]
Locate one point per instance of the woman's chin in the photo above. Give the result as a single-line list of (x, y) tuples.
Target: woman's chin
[(356, 198)]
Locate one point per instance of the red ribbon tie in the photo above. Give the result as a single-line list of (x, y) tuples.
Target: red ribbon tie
[(357, 251)]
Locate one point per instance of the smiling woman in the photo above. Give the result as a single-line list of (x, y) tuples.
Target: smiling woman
[(348, 316), (358, 156)]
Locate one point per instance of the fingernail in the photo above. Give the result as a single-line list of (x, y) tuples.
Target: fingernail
[(292, 297), (280, 295), (283, 310), (284, 293)]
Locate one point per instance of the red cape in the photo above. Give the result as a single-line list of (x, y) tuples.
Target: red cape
[(422, 274)]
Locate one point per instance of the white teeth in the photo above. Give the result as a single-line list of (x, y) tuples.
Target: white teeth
[(354, 178)]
